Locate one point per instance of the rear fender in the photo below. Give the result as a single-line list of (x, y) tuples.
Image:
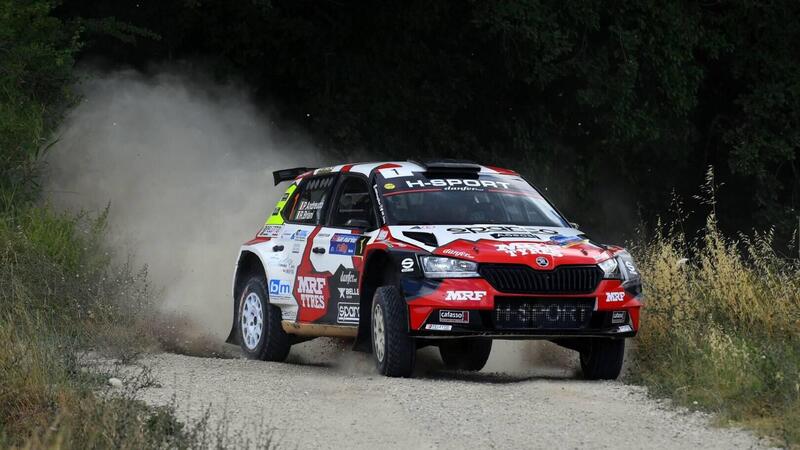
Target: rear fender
[(249, 264)]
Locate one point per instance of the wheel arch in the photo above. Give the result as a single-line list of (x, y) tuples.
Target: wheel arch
[(248, 264), (377, 272)]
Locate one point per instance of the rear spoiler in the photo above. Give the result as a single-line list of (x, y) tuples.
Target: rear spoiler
[(289, 174)]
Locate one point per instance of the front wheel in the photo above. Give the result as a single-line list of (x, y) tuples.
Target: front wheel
[(601, 359), (394, 350), (261, 335), (465, 354)]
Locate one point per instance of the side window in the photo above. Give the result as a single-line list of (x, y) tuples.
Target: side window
[(307, 206), (353, 204)]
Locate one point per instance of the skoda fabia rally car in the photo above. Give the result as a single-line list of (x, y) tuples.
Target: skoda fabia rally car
[(402, 255)]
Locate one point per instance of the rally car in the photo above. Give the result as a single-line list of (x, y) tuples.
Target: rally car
[(402, 255)]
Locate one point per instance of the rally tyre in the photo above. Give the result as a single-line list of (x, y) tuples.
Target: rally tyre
[(465, 354), (258, 324), (394, 350), (602, 359)]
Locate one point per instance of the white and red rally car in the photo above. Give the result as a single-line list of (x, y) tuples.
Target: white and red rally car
[(401, 255)]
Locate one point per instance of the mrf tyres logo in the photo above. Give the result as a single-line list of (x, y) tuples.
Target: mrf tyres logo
[(515, 249), (311, 292), (615, 297), (460, 296)]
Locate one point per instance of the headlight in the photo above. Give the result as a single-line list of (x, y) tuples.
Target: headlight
[(628, 269), (441, 267), (610, 268)]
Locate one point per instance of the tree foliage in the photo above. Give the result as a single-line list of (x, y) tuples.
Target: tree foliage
[(603, 103)]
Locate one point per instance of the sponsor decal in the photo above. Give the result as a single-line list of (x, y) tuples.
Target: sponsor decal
[(280, 288), (614, 297), (300, 235), (347, 313), (310, 290), (383, 234), (284, 197), (460, 296), (566, 241), (348, 293), (450, 316), (380, 203), (389, 186), (457, 253), (423, 227), (344, 244), (541, 261), (289, 314), (514, 249), (344, 283), (618, 317), (438, 327), (348, 276), (514, 236), (407, 265), (458, 183), (270, 231), (624, 329), (631, 268), (486, 229)]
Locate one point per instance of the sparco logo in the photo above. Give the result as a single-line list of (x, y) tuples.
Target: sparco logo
[(454, 316), (465, 295), (347, 313), (310, 290)]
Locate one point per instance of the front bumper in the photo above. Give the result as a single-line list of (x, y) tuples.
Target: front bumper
[(476, 309)]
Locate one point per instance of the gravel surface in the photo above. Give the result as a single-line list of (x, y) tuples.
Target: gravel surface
[(528, 396)]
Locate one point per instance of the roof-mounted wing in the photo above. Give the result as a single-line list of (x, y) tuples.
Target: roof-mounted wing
[(451, 166), (289, 174)]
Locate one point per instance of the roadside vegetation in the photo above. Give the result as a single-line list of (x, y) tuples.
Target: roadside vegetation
[(70, 316), (721, 326)]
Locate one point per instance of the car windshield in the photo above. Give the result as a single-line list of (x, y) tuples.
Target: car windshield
[(462, 199)]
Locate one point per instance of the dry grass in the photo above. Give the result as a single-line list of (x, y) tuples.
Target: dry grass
[(721, 329), (62, 298)]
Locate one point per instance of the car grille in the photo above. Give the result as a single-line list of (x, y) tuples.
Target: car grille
[(542, 313), (521, 279)]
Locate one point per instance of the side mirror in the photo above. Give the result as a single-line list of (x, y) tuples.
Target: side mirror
[(574, 225), (357, 223)]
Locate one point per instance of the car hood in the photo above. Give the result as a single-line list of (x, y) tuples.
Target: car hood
[(536, 246)]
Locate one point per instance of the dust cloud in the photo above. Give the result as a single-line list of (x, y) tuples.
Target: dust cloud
[(186, 166)]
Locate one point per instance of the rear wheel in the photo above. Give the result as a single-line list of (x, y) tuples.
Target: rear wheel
[(601, 359), (465, 354), (394, 350), (261, 335)]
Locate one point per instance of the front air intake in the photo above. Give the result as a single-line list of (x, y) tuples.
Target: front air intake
[(521, 279)]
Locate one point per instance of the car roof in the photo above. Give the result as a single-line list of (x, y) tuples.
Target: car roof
[(368, 168)]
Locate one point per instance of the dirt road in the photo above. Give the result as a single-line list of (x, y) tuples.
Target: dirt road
[(327, 398)]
